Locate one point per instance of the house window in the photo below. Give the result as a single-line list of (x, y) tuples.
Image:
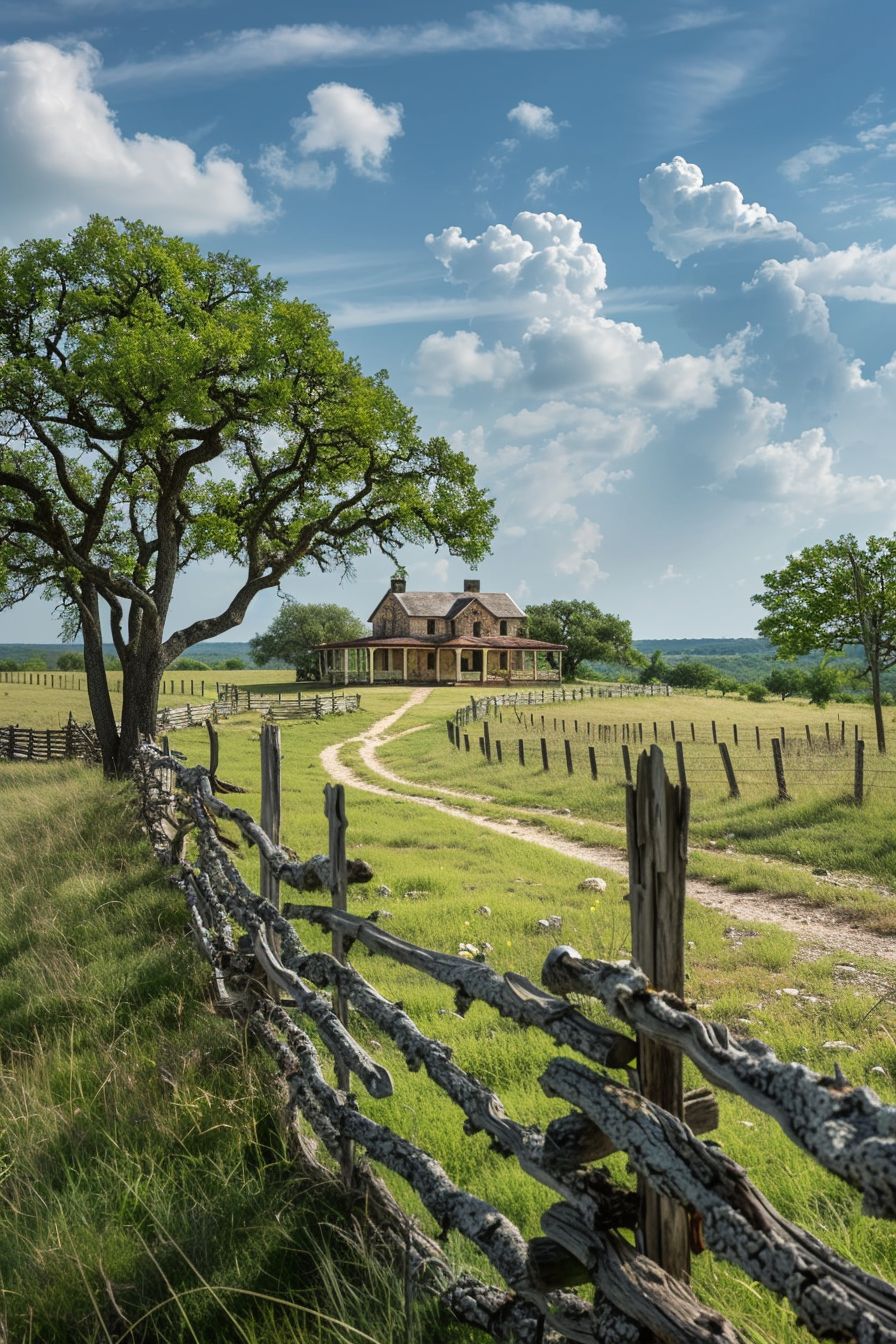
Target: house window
[(477, 629), (503, 631), (430, 662), (504, 662), (430, 627)]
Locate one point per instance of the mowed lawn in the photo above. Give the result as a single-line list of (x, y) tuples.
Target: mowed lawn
[(440, 872)]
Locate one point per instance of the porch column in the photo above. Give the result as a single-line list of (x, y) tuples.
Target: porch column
[(484, 665), (370, 653), (345, 667), (534, 664), (457, 676), (404, 663), (438, 654), (560, 669)]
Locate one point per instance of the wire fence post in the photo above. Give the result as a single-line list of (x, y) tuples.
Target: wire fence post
[(733, 790), (777, 754), (859, 780), (657, 832)]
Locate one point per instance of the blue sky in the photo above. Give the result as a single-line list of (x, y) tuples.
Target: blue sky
[(640, 262)]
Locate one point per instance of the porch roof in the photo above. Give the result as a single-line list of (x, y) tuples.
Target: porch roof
[(456, 642)]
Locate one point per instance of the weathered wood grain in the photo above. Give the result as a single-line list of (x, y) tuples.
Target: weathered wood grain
[(833, 1298), (846, 1129), (512, 995)]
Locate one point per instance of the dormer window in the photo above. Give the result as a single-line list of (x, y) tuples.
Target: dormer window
[(477, 629), (430, 627), (503, 627)]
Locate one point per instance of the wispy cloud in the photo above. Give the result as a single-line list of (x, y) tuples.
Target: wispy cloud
[(686, 20), (690, 92), (518, 26)]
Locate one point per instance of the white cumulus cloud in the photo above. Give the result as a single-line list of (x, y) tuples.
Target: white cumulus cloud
[(800, 476), (859, 271), (534, 120), (689, 215), (63, 156), (343, 120), (541, 255), (448, 362)]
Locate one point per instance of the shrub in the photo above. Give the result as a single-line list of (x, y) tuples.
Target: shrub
[(189, 665), (233, 664), (70, 662), (756, 692)]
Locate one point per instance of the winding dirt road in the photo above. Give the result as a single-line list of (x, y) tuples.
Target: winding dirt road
[(811, 924)]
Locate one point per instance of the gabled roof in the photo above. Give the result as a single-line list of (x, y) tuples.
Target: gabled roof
[(447, 605)]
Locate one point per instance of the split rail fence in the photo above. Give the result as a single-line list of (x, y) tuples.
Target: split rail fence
[(286, 706), (690, 1195), (73, 742)]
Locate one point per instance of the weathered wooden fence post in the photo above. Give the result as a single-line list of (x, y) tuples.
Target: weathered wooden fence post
[(783, 795), (592, 761), (657, 830), (859, 781), (679, 759), (544, 754), (213, 753), (334, 809), (521, 750), (269, 884), (567, 746), (626, 763)]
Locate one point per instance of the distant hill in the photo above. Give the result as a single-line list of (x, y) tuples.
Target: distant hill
[(209, 652)]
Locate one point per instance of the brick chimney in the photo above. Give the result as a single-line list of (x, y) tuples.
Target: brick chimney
[(398, 583), (471, 585)]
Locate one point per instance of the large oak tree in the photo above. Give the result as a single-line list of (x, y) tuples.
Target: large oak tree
[(160, 406), (298, 627), (833, 595)]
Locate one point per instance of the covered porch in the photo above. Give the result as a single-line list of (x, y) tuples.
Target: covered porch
[(407, 660)]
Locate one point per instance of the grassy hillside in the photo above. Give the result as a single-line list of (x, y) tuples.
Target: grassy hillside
[(145, 1191)]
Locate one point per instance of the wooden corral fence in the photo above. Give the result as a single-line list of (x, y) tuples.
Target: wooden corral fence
[(76, 741), (603, 750), (490, 704), (286, 705), (690, 1195)]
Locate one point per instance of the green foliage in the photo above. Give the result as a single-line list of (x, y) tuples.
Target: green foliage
[(692, 675), (756, 692), (8, 665), (233, 665), (786, 681), (189, 665), (297, 627), (726, 685), (70, 662), (161, 405), (34, 665), (833, 595), (823, 683), (654, 671), (588, 633)]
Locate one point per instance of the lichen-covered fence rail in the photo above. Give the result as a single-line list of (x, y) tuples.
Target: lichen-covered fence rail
[(847, 1129)]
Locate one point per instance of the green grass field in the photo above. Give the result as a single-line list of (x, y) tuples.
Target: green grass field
[(119, 1003)]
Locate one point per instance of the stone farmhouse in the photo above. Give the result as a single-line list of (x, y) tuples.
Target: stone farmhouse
[(442, 638)]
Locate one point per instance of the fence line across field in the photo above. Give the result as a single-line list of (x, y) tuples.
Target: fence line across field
[(688, 1193), (532, 751)]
